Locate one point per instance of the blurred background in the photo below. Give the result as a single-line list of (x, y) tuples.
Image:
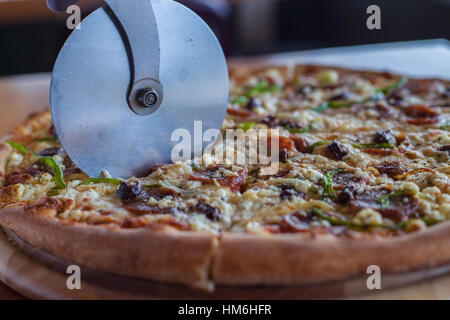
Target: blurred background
[(31, 35)]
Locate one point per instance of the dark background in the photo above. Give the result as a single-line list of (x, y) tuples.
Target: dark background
[(248, 27)]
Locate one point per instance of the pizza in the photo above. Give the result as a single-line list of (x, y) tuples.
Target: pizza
[(363, 179)]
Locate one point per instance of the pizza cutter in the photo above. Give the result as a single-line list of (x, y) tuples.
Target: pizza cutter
[(136, 71)]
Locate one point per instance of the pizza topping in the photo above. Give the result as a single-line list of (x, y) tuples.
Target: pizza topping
[(336, 150), (283, 143), (70, 167), (446, 126), (346, 194), (384, 110), (101, 180), (334, 105), (306, 89), (49, 162), (301, 144), (295, 222), (340, 96), (343, 178), (331, 219), (19, 147), (140, 209), (270, 121), (284, 155), (51, 152), (161, 193), (397, 206), (51, 139), (212, 174), (328, 189), (49, 204), (384, 136), (262, 86), (418, 86), (252, 103), (209, 211), (318, 144), (446, 93), (288, 192), (16, 177), (385, 199), (294, 127), (395, 98), (132, 223), (391, 168), (410, 173), (378, 152), (129, 191), (420, 114), (52, 130), (58, 175), (445, 148), (373, 145), (239, 113), (393, 86), (328, 77)]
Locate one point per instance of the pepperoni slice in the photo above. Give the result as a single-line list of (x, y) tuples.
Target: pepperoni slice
[(300, 144), (344, 179), (399, 208), (208, 175), (298, 221), (17, 177), (421, 115), (239, 113), (391, 168), (283, 143)]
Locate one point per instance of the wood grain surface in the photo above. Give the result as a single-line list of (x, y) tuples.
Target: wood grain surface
[(22, 95)]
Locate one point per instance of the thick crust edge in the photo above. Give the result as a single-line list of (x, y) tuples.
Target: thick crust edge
[(159, 253), (300, 258)]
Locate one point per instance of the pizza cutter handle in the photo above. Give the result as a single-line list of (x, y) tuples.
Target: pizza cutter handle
[(137, 23)]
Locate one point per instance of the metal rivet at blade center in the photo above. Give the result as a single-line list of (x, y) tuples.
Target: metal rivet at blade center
[(147, 97)]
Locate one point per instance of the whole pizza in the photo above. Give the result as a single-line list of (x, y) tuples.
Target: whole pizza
[(363, 179)]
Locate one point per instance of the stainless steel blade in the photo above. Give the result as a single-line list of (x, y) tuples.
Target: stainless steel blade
[(92, 76), (137, 22)]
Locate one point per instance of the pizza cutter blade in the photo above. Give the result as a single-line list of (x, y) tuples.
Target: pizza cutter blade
[(136, 71)]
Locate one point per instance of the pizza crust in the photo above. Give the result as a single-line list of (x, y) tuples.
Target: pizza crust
[(202, 260), (299, 258), (158, 253)]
